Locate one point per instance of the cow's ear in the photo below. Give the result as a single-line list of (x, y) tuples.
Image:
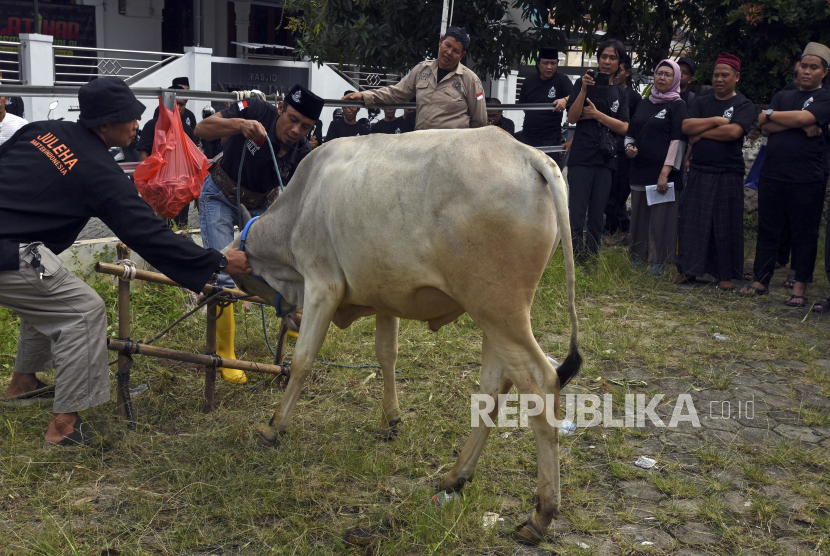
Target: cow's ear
[(244, 216)]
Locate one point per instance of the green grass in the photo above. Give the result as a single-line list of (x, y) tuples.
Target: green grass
[(189, 483)]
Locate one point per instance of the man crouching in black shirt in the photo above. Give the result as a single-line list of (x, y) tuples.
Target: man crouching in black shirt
[(54, 176), (249, 125)]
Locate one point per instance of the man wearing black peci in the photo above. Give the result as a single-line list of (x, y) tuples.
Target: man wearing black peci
[(250, 125)]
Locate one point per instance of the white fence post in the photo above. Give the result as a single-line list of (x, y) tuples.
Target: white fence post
[(243, 15), (199, 72), (37, 68)]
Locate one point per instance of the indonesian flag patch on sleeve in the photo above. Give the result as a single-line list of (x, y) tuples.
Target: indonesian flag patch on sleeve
[(242, 104), (480, 96)]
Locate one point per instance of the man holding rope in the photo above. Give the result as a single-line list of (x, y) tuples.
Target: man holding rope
[(54, 176), (250, 125)]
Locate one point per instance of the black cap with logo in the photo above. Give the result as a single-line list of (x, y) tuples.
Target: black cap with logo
[(305, 102), (108, 100)]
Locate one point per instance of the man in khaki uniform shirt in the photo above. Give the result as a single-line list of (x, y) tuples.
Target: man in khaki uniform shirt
[(448, 94)]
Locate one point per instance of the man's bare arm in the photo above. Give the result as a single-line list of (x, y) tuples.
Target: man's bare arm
[(218, 127)]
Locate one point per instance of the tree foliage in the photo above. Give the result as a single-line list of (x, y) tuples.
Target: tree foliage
[(396, 35)]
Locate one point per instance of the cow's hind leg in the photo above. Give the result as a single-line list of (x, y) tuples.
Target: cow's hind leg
[(317, 314), (386, 349), (493, 383)]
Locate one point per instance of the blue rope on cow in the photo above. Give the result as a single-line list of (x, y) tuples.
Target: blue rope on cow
[(244, 235), (242, 239)]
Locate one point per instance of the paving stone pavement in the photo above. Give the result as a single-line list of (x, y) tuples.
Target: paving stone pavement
[(95, 229), (763, 409)]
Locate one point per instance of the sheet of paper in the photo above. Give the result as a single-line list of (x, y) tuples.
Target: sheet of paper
[(653, 197)]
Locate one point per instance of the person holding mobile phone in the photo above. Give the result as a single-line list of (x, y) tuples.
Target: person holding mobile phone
[(600, 112)]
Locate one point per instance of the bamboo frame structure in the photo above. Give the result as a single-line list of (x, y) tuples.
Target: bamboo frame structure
[(126, 348)]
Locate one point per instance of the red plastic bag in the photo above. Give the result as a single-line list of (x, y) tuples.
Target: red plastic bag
[(172, 176)]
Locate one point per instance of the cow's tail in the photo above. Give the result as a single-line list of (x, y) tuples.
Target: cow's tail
[(545, 166)]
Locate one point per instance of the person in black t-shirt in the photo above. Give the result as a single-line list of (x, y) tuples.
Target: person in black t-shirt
[(55, 176), (596, 110), (655, 144), (250, 125), (792, 181), (213, 147), (496, 118), (616, 217), (711, 229), (543, 128), (391, 125), (687, 75), (349, 126)]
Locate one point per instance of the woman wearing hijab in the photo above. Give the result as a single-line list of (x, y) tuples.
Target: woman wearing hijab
[(656, 145)]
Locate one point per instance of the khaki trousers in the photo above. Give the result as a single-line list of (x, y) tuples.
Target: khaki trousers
[(63, 325)]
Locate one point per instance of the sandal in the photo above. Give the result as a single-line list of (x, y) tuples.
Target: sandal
[(822, 306), (42, 390), (753, 291), (81, 435), (790, 281), (791, 300)]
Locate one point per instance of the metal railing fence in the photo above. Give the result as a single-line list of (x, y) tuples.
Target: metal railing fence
[(10, 61), (77, 65)]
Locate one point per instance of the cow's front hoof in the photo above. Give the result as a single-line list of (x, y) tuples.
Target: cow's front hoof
[(391, 427), (527, 533), (454, 485), (267, 437), (390, 433)]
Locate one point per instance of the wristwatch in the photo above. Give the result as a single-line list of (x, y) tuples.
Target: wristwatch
[(222, 264), (768, 113)]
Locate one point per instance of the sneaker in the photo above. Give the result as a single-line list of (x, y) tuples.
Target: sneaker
[(655, 269)]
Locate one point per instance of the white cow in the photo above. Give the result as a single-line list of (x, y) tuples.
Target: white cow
[(425, 226)]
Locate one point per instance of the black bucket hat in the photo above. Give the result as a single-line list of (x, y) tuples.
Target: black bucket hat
[(108, 100)]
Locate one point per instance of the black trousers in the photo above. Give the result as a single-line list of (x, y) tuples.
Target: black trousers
[(801, 204), (616, 218), (589, 188)]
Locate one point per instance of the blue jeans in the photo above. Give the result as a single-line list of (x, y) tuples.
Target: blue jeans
[(217, 217)]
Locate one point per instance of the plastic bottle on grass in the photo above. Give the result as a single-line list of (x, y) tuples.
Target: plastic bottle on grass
[(567, 427), (443, 498)]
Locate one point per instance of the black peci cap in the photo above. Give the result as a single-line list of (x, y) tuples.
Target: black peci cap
[(689, 62), (548, 53), (108, 100), (182, 81), (305, 102)]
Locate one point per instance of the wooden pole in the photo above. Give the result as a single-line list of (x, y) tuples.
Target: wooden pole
[(158, 278), (116, 344), (210, 349), (125, 362)]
